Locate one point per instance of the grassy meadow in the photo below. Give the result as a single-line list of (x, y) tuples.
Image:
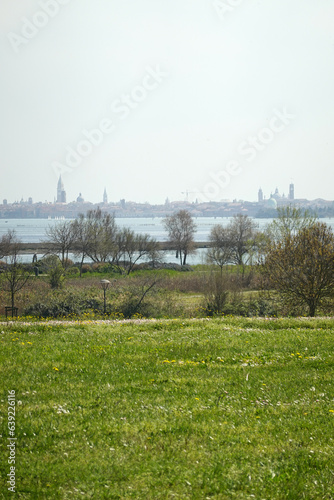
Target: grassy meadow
[(171, 409)]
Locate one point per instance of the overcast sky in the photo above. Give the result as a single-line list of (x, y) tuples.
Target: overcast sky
[(156, 98)]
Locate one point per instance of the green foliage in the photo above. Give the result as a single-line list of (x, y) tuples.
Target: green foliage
[(47, 262), (56, 275), (64, 304), (86, 268), (301, 266), (73, 271), (289, 222)]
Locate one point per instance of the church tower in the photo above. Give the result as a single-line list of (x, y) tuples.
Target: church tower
[(260, 196), (61, 193), (105, 196), (291, 192)]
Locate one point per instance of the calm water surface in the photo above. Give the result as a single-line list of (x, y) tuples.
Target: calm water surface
[(33, 230)]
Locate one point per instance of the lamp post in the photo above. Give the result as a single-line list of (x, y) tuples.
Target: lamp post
[(104, 284)]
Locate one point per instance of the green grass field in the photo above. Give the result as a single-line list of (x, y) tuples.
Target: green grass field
[(195, 409)]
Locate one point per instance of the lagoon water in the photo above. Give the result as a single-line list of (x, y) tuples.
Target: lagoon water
[(33, 230)]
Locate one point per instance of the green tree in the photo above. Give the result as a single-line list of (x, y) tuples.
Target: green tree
[(290, 220), (300, 266)]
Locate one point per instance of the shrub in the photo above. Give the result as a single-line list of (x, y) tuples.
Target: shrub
[(47, 262), (64, 304), (216, 293), (58, 305), (86, 268), (56, 276), (73, 271)]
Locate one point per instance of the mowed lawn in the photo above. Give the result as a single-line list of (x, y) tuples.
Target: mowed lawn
[(198, 409)]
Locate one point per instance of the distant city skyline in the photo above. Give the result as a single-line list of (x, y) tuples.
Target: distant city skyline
[(61, 196), (155, 99)]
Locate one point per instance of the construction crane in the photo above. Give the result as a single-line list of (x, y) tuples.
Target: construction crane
[(187, 193)]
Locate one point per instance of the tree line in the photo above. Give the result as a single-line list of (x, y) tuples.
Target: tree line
[(294, 255), (97, 237)]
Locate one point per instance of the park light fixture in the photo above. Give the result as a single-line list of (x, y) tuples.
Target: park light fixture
[(104, 284)]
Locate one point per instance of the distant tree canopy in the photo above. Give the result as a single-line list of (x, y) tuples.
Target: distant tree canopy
[(181, 229)]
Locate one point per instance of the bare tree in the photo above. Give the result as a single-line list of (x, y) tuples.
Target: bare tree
[(244, 241), (220, 251), (133, 247), (8, 241), (101, 232), (181, 229), (82, 243), (62, 237), (242, 234), (14, 276), (135, 294)]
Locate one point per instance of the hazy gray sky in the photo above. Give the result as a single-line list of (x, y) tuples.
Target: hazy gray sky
[(212, 97)]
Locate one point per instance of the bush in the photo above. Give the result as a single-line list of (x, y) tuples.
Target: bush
[(216, 293), (65, 304), (59, 305), (56, 276), (86, 268), (68, 263), (73, 271), (47, 262), (96, 267)]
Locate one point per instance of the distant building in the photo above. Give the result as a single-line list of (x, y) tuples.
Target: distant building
[(260, 196), (271, 203), (61, 193), (280, 199), (105, 196), (80, 198), (276, 195), (5, 202), (291, 192)]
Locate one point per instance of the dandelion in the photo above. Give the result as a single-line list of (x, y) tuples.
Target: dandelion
[(56, 369)]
